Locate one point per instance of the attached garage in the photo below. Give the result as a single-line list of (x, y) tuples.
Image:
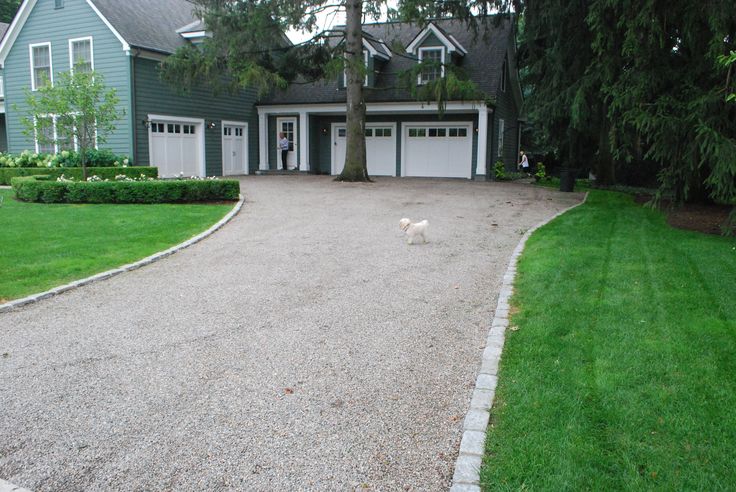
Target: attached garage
[(380, 141), (176, 146), (438, 150)]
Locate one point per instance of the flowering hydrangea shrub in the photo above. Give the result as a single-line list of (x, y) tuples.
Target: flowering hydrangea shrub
[(65, 158)]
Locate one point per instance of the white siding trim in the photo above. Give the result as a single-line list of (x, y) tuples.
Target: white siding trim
[(91, 51), (51, 63), (480, 168), (262, 140), (390, 107), (431, 28), (303, 141), (126, 46)]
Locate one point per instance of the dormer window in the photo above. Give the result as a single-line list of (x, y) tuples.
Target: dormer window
[(435, 60), (365, 64)]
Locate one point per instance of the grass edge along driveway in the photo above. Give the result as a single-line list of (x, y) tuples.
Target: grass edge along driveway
[(621, 374), (46, 245)]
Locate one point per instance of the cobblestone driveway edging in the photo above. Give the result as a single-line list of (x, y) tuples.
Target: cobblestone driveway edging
[(125, 268), (472, 445)]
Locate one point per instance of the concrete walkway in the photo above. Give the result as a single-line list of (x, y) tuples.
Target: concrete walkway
[(304, 346)]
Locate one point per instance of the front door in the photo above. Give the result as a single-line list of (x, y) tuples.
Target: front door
[(287, 126), (233, 149)]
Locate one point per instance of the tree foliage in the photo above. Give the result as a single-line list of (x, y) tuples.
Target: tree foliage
[(78, 107), (8, 8)]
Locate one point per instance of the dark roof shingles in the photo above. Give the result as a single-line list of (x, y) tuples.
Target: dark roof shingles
[(149, 24), (483, 63)]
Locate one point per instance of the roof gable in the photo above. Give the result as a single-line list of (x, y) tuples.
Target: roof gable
[(446, 39)]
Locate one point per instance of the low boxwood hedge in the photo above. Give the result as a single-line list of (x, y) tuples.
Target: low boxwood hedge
[(8, 173), (47, 190)]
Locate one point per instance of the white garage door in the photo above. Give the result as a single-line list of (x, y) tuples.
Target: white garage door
[(434, 150), (176, 148), (380, 141)]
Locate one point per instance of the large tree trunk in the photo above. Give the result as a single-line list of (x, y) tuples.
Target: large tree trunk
[(355, 161)]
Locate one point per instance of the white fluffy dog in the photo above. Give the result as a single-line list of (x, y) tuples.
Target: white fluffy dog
[(414, 230)]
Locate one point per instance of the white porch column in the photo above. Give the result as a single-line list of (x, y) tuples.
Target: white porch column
[(303, 141), (262, 140), (480, 169)]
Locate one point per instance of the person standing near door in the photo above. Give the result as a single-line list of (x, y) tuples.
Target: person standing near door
[(284, 147)]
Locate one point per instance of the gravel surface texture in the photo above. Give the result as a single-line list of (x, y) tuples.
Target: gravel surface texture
[(305, 346)]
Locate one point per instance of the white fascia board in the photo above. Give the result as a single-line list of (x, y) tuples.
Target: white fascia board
[(373, 52), (15, 27), (460, 47), (188, 26), (451, 106), (388, 51), (196, 35), (126, 46), (431, 29)]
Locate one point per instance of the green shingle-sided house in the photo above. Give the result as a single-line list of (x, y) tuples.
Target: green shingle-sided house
[(405, 137), (194, 134), (200, 133)]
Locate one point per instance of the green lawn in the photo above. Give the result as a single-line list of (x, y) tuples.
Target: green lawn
[(622, 375), (43, 246)]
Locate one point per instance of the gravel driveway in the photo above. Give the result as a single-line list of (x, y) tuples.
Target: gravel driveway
[(304, 346)]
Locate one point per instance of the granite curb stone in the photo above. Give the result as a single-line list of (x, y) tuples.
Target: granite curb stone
[(472, 445)]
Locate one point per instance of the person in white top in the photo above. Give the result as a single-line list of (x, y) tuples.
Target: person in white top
[(284, 147), (524, 163)]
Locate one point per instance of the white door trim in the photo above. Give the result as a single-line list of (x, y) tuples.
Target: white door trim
[(296, 143), (333, 133), (198, 122), (414, 124), (245, 144)]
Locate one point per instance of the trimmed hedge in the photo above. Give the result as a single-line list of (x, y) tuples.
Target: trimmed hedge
[(8, 173), (33, 189)]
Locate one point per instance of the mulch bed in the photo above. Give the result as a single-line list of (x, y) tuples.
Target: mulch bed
[(705, 218)]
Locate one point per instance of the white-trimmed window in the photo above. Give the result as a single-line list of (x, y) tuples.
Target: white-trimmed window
[(81, 54), (365, 64), (42, 67), (2, 86), (56, 140), (501, 129), (435, 56)]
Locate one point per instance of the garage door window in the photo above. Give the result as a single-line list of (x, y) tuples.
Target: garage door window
[(382, 132), (439, 132)]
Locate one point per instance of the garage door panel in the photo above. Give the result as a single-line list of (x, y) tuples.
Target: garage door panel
[(175, 148), (432, 150), (380, 143)]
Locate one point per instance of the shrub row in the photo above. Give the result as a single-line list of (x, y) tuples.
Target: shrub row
[(65, 158), (8, 173), (38, 189)]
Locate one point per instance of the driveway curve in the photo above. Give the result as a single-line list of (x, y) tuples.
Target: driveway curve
[(304, 346)]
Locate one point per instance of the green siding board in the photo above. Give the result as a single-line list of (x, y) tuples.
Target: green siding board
[(57, 26), (322, 161), (430, 41), (153, 96)]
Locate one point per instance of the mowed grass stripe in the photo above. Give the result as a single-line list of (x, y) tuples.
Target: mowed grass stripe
[(46, 245), (621, 375)]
